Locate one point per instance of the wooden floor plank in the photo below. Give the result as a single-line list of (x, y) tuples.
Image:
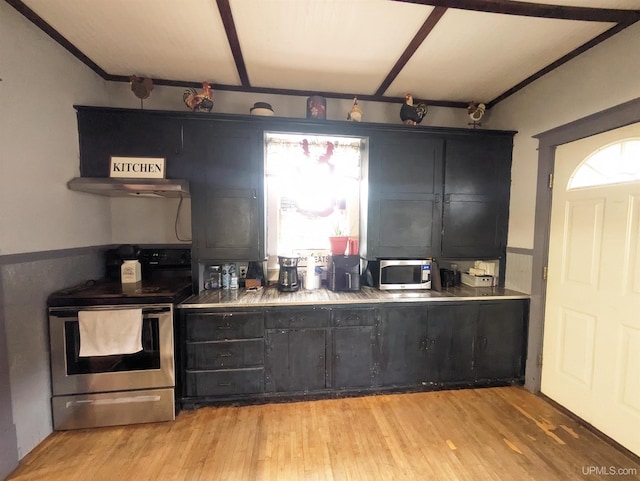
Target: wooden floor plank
[(488, 434)]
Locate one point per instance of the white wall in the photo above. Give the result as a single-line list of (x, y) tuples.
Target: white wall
[(602, 77), (40, 84)]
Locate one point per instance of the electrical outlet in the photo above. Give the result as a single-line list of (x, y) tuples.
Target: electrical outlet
[(242, 270)]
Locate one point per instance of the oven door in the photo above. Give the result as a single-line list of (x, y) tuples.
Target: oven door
[(153, 367)]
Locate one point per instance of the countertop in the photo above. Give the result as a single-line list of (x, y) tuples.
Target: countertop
[(270, 296)]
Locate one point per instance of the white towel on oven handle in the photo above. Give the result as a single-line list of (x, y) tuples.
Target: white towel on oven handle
[(110, 332)]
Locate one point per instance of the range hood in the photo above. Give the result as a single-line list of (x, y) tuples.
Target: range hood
[(121, 187)]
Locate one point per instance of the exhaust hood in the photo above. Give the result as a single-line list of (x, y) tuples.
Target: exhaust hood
[(123, 187)]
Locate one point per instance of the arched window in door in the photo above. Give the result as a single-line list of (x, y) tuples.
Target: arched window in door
[(615, 163)]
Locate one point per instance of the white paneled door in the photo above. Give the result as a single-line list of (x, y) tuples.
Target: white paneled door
[(591, 350)]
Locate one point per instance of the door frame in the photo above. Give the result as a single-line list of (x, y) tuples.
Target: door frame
[(610, 119)]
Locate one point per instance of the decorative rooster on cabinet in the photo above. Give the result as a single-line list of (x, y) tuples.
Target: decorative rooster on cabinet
[(199, 102), (412, 114)]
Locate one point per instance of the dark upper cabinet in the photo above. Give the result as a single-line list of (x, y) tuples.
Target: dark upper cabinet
[(227, 190), (436, 194), (106, 132), (402, 215), (477, 181), (427, 192)]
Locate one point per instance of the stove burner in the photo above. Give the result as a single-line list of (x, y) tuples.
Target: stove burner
[(168, 281)]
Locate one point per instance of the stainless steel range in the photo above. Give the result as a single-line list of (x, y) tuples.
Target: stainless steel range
[(94, 387)]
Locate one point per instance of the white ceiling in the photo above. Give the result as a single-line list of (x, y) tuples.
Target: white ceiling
[(341, 48)]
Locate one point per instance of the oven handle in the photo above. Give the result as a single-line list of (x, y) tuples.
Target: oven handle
[(145, 311)]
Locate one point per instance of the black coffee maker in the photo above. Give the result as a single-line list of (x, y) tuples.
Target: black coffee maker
[(288, 280), (343, 273)]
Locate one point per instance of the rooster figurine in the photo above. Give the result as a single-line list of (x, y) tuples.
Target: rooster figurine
[(476, 112), (199, 102), (355, 114), (141, 87), (412, 114)]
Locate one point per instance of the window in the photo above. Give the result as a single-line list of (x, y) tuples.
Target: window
[(313, 192), (612, 164)]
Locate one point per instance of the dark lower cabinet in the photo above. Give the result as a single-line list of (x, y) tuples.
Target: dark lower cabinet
[(353, 348), (222, 354), (267, 352), (223, 382), (352, 362), (449, 343), (500, 349), (295, 360), (296, 352), (402, 335)]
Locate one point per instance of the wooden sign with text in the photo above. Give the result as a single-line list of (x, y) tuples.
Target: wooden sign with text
[(137, 167)]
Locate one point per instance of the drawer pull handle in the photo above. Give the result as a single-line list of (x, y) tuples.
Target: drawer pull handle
[(224, 384), (224, 328), (226, 354)]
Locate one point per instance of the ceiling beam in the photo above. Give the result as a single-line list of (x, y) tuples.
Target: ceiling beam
[(415, 43), (528, 9), (290, 92), (234, 43)]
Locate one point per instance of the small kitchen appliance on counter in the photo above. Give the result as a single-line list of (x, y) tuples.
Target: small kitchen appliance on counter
[(108, 387), (288, 280), (344, 273), (404, 274)]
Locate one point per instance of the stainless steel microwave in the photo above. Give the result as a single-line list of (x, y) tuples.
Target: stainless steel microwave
[(405, 274)]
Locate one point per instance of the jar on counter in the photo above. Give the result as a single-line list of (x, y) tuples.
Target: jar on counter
[(213, 278)]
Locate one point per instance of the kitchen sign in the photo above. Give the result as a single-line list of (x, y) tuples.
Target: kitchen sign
[(137, 167)]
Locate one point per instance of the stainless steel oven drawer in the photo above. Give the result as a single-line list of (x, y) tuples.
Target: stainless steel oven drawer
[(113, 409)]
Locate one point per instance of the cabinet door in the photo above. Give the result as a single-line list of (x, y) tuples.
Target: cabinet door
[(451, 331), (476, 196), (402, 334), (295, 360), (352, 363), (501, 340), (405, 185), (104, 133), (227, 190)]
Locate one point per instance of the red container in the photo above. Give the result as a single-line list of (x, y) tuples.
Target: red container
[(354, 246)]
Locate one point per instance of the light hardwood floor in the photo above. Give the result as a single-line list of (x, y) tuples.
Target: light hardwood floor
[(473, 435)]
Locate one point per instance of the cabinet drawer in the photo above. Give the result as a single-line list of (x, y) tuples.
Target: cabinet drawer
[(224, 354), (228, 381), (353, 317), (224, 325), (297, 318)]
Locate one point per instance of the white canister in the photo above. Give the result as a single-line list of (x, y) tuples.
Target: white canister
[(130, 272), (310, 273)]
